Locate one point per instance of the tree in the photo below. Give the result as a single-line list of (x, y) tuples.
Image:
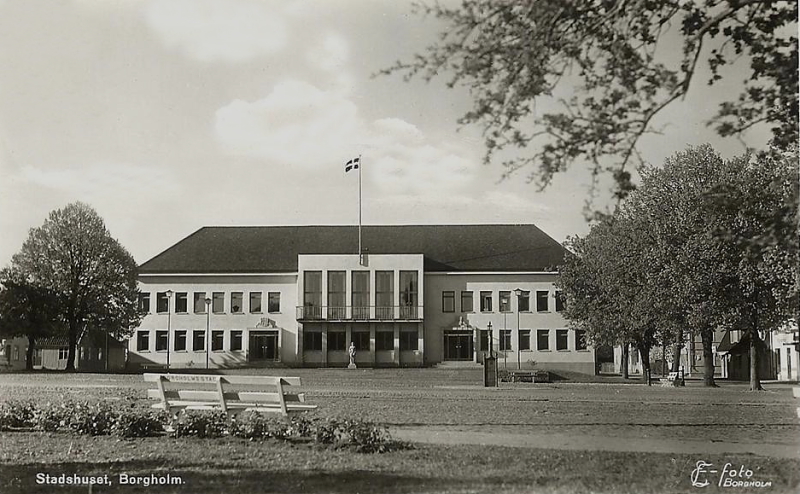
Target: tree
[(94, 278), (27, 310), (514, 55), (706, 243)]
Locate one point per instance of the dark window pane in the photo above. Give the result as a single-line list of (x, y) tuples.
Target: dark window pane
[(561, 339), (448, 301), (274, 302), (161, 341), (236, 340), (543, 339), (217, 339), (384, 340), (236, 302), (180, 341), (218, 302), (541, 301), (466, 302), (181, 302), (255, 302)]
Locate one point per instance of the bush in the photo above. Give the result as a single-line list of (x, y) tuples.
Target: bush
[(139, 424), (93, 420), (366, 437), (51, 418), (16, 414), (200, 424)]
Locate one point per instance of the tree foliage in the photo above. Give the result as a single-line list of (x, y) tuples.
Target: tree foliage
[(513, 55), (73, 256), (27, 310), (703, 244)]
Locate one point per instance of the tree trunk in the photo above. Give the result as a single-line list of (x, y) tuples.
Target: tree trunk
[(755, 379), (707, 336), (625, 361), (676, 352), (73, 343), (30, 352)]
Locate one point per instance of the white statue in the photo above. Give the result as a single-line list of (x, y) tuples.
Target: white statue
[(352, 352)]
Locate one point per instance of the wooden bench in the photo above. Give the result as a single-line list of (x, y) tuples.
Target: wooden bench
[(521, 376), (230, 394)]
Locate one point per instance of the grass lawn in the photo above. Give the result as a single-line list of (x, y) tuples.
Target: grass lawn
[(418, 399)]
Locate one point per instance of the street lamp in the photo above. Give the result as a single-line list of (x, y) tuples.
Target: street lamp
[(208, 326), (169, 321), (491, 337), (518, 292)]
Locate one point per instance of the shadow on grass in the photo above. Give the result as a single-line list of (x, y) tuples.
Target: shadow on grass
[(199, 478)]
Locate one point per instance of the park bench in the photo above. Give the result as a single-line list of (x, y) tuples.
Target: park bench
[(230, 394), (672, 379), (521, 376)]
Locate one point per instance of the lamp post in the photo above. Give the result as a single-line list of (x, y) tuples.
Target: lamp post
[(208, 327), (518, 292), (169, 322), (491, 337)]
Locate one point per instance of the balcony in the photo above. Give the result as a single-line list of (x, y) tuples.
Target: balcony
[(359, 313)]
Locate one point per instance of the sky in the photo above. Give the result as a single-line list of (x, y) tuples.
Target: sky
[(170, 115)]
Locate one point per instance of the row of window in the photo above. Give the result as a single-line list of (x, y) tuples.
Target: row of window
[(487, 297), (217, 302), (542, 340), (384, 340), (180, 341), (360, 288)]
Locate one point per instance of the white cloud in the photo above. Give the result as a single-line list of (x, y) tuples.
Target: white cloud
[(301, 126), (331, 54), (296, 124), (221, 30)]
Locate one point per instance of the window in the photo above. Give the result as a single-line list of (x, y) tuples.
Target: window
[(408, 294), (559, 301), (543, 340), (236, 302), (217, 340), (142, 341), (486, 301), (524, 302), (336, 295), (337, 341), (361, 340), (144, 303), (466, 302), (384, 340), (524, 339), (199, 302), (505, 301), (161, 341), (541, 301), (312, 341), (312, 294), (360, 295), (274, 302), (448, 301), (409, 340), (580, 339), (505, 339), (218, 302), (181, 302), (180, 340), (384, 294), (255, 302), (198, 340), (162, 302), (236, 341), (63, 353), (561, 339)]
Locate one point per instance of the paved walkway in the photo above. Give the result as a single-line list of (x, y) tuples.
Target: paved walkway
[(441, 435)]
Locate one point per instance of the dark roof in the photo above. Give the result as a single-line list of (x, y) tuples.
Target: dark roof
[(263, 249)]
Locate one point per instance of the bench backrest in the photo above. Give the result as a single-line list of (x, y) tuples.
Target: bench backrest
[(258, 390)]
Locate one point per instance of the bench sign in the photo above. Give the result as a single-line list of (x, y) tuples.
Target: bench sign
[(190, 379)]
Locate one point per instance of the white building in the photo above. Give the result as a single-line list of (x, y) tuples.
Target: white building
[(298, 296)]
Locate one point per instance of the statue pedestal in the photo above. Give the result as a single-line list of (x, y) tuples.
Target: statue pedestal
[(351, 365)]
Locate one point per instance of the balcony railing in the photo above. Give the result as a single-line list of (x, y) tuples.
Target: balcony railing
[(359, 313)]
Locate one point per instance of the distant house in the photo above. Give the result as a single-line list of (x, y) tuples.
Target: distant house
[(51, 353)]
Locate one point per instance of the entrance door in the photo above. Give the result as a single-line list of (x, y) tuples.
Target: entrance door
[(263, 345), (458, 346), (37, 357)]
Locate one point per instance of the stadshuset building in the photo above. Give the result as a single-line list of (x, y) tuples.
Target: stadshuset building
[(299, 296)]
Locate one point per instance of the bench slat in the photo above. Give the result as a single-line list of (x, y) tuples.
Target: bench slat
[(212, 379)]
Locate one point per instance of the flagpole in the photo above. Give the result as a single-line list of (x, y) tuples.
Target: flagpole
[(360, 252)]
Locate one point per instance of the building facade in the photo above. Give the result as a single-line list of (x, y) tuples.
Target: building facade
[(300, 296)]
